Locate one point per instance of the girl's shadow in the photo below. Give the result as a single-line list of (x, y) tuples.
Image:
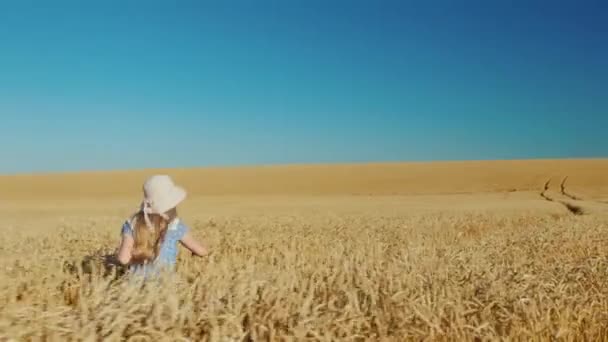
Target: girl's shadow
[(99, 264), (82, 274)]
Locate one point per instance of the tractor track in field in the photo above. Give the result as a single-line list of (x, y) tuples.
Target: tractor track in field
[(572, 208)]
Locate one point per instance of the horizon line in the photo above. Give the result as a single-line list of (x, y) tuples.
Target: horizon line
[(294, 164)]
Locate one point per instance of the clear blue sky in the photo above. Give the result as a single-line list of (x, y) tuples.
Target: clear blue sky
[(136, 84)]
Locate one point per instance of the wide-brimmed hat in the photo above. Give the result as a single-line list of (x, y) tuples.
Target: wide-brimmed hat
[(160, 196)]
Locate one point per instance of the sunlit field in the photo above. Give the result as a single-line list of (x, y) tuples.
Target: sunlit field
[(446, 251)]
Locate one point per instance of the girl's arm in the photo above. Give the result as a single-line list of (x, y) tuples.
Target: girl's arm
[(126, 246), (193, 245)]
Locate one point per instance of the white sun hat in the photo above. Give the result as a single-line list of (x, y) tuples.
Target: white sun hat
[(161, 195)]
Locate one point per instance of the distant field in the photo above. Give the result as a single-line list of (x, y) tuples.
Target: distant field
[(589, 177), (438, 251)]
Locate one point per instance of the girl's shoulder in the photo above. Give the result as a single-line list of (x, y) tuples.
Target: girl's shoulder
[(128, 225), (178, 227)]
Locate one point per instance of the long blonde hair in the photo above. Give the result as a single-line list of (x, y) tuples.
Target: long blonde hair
[(148, 241)]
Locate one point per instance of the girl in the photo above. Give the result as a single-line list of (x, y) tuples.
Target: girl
[(150, 236)]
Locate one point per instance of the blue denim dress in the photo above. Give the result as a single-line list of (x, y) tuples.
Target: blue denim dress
[(167, 255)]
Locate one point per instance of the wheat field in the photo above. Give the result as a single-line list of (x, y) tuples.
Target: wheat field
[(494, 250)]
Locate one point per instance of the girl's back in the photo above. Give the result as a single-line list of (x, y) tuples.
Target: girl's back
[(168, 249)]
